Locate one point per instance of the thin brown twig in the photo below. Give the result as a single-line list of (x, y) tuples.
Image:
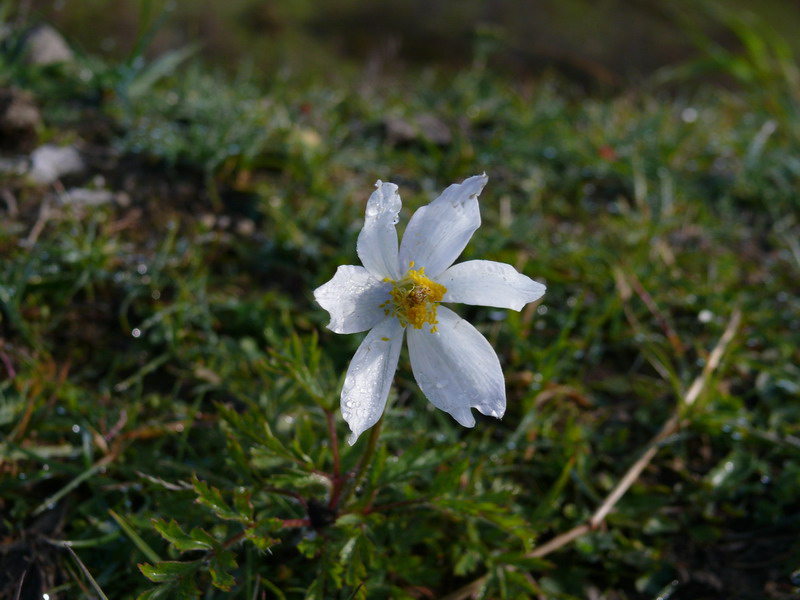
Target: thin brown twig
[(669, 428)]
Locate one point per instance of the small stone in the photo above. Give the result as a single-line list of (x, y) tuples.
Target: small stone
[(87, 197), (19, 119), (434, 129), (399, 130), (424, 127), (45, 46), (49, 163), (245, 227)]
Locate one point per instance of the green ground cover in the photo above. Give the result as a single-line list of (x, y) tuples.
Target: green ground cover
[(169, 393)]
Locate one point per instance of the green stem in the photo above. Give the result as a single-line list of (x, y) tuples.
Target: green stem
[(365, 461)]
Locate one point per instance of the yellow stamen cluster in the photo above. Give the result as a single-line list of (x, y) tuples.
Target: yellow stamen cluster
[(414, 299)]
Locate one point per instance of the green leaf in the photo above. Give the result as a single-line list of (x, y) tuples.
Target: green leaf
[(177, 589), (164, 65), (173, 533), (168, 570), (355, 557), (201, 536), (259, 534), (149, 553), (448, 476), (212, 498), (219, 568), (242, 504)]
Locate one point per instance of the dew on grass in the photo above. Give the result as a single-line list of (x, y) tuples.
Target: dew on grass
[(705, 316)]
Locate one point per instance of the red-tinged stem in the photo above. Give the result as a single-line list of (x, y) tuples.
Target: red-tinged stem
[(289, 523), (337, 467), (337, 479)]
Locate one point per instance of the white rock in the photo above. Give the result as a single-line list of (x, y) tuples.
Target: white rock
[(49, 163), (87, 197), (44, 46)]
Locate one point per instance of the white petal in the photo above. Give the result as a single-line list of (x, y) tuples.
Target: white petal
[(438, 232), (353, 298), (489, 283), (457, 368), (369, 377), (377, 242)]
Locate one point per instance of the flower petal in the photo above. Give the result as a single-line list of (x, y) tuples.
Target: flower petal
[(369, 377), (353, 298), (457, 369), (377, 242), (438, 232), (489, 283)]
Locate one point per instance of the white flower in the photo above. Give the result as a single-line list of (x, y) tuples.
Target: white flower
[(395, 292)]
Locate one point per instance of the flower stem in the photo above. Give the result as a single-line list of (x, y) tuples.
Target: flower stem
[(334, 442), (365, 461), (336, 478)]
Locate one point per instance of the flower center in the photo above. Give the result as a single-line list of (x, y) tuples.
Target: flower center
[(414, 298)]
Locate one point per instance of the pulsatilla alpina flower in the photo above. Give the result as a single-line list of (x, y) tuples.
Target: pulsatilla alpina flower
[(399, 291)]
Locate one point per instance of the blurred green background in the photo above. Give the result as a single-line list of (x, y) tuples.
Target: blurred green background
[(606, 43)]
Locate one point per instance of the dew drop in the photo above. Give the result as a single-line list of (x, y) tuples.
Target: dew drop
[(705, 316)]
